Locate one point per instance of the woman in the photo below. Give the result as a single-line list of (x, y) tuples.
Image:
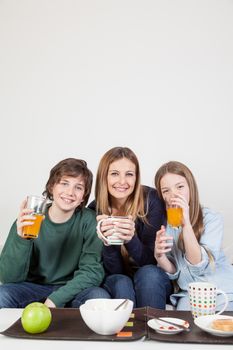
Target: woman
[(131, 268), (195, 254)]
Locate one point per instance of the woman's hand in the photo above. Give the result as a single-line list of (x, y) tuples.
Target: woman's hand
[(162, 246), (24, 218), (105, 227), (125, 228)]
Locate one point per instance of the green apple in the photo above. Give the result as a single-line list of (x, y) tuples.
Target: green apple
[(36, 318)]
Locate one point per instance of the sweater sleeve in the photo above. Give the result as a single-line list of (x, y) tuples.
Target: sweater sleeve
[(141, 247), (90, 271), (15, 258), (112, 258)]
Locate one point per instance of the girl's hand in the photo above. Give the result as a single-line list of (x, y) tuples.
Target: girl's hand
[(181, 202), (24, 218), (161, 245)]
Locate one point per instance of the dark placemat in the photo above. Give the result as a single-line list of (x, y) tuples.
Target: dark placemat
[(196, 335), (67, 324)]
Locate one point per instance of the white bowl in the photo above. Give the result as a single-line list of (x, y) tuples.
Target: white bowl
[(204, 322), (100, 316)]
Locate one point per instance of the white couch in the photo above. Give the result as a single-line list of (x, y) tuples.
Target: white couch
[(0, 253)]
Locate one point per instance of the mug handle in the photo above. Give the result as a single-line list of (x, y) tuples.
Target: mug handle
[(99, 233), (219, 291)]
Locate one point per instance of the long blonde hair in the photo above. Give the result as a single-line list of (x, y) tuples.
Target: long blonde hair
[(134, 204), (196, 216)]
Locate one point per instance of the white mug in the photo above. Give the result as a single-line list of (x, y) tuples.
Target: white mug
[(202, 298), (113, 239)]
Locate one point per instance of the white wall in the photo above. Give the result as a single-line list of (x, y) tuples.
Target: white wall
[(79, 77)]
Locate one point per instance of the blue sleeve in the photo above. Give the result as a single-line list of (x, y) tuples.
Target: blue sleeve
[(112, 259), (212, 236), (211, 240), (141, 247)]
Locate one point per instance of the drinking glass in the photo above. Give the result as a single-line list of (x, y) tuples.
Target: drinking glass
[(174, 215), (38, 205)]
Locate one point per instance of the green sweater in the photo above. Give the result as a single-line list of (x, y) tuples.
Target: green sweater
[(66, 254)]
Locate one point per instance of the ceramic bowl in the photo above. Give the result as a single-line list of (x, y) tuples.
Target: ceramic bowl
[(100, 316)]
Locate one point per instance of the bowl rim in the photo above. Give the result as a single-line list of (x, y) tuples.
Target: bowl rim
[(87, 305)]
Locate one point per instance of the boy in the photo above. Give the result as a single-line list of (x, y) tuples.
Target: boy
[(63, 265)]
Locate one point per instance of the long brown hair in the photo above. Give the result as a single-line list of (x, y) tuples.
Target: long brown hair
[(70, 167), (196, 216), (135, 203)]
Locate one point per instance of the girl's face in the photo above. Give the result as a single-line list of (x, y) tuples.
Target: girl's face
[(68, 193), (121, 178), (173, 185)]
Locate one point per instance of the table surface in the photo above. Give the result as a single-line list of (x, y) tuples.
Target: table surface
[(9, 316)]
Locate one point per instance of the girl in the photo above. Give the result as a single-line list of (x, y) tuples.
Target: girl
[(131, 269), (195, 254)]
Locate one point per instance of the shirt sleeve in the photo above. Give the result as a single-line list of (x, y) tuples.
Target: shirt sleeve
[(15, 258), (210, 242), (112, 258), (188, 269), (141, 246), (212, 236)]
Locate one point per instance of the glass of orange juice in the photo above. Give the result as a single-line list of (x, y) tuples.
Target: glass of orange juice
[(174, 215), (38, 205)]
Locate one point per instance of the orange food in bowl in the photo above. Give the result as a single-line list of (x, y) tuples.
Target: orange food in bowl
[(223, 325)]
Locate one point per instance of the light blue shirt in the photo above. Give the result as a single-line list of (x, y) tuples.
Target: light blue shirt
[(219, 271)]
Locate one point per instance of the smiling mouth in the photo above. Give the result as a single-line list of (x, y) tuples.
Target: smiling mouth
[(67, 201), (120, 189)]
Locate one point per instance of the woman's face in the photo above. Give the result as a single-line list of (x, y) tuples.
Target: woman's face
[(173, 185), (121, 178)]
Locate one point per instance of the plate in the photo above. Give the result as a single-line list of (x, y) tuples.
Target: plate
[(204, 322), (162, 327)]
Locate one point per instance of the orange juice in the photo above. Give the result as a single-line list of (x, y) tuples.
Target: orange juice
[(174, 216), (32, 231)]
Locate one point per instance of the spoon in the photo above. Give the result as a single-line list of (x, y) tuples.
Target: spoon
[(121, 304)]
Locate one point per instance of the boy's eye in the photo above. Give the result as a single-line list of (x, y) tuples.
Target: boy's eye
[(164, 191)]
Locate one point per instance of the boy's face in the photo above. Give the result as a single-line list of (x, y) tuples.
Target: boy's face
[(68, 193)]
